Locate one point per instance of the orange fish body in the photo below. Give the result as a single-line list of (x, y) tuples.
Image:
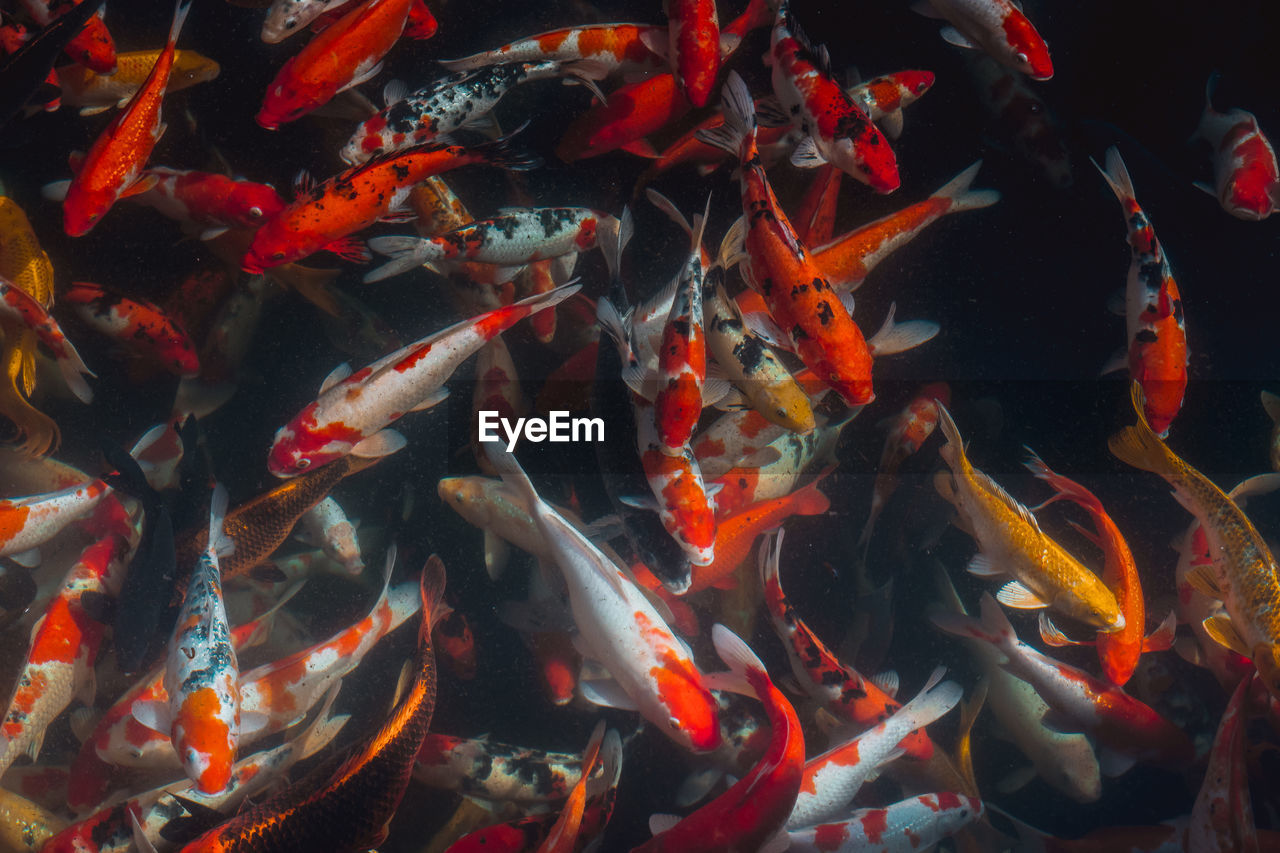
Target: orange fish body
[(345, 54), (114, 164), (92, 47), (695, 48)]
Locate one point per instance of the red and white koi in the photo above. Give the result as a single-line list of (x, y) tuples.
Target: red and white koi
[(832, 779), (841, 689), (497, 388), (884, 98), (1246, 175), (911, 825), (326, 525), (140, 325), (617, 47), (835, 128), (203, 715), (1126, 729), (693, 48), (652, 670), (18, 307), (997, 27), (347, 53), (1222, 817), (464, 99), (92, 47), (1157, 349), (514, 238), (207, 203), (113, 168), (353, 409), (1195, 608), (755, 808), (27, 523)]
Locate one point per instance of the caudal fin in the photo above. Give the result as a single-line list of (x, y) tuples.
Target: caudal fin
[(1138, 445), (745, 667), (964, 198), (500, 152), (1116, 175), (739, 118)]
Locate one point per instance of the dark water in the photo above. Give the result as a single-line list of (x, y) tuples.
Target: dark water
[(1020, 291)]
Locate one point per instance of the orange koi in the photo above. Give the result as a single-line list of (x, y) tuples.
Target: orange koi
[(137, 324), (92, 47)]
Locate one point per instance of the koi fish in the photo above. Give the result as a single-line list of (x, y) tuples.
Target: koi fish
[(19, 308), (95, 93), (800, 299), (27, 69), (1222, 817), (1010, 542), (26, 826), (352, 410), (457, 644), (617, 47), (203, 716), (1242, 573), (1194, 607), (997, 27), (207, 203), (1023, 116), (848, 260), (1158, 354), (693, 48), (347, 53), (756, 806), (86, 38), (317, 810), (652, 669), (1126, 729), (835, 129), (917, 823), (138, 324), (840, 688), (27, 523), (563, 835), (908, 431), (884, 98), (464, 99), (496, 772), (326, 525), (1245, 173), (1119, 651), (514, 238), (113, 167), (832, 779), (323, 216)]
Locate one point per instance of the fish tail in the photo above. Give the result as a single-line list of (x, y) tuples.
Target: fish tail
[(1116, 175), (743, 664), (615, 242), (323, 728), (431, 587), (953, 450), (1065, 487), (180, 12), (1138, 445), (994, 627), (500, 152), (219, 542), (739, 119), (961, 196)]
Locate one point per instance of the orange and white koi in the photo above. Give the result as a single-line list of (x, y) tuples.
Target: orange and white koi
[(64, 642), (113, 167), (96, 93), (514, 238), (140, 325), (997, 27), (326, 525), (1246, 175), (840, 688), (847, 260), (1222, 817), (806, 311), (1010, 542), (1126, 729), (202, 676), (18, 308), (324, 216), (836, 130), (27, 523), (914, 824), (653, 670), (618, 47), (693, 48), (286, 17), (1157, 351), (352, 410), (756, 806), (92, 47), (832, 779), (207, 203), (1118, 651), (347, 53), (884, 98), (908, 431), (1243, 573)]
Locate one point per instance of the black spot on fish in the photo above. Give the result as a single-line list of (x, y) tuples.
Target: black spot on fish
[(750, 353), (825, 314), (400, 170), (798, 334), (1146, 336)]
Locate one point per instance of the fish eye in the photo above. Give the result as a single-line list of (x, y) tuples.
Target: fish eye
[(673, 723), (276, 256), (1021, 57), (255, 212), (302, 462)]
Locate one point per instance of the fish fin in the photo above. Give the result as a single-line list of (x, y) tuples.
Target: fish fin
[(962, 197), (1224, 634), (924, 7), (715, 390), (364, 77), (641, 502), (636, 378), (771, 113), (338, 374), (253, 721), (1015, 595), (303, 183), (1116, 174), (323, 728), (98, 110), (737, 655), (981, 566), (1081, 529), (1205, 581), (55, 190), (953, 36), (698, 785), (606, 694), (887, 681), (763, 326), (762, 457), (668, 207), (657, 41), (1052, 635), (1016, 780), (777, 843), (154, 715), (1204, 188), (142, 185), (733, 401), (662, 822), (728, 44), (435, 398), (848, 303), (219, 542), (642, 148), (140, 839), (1189, 650), (1162, 637), (806, 155), (215, 231), (739, 117), (895, 338), (393, 91), (28, 559), (83, 721), (1116, 303), (351, 249), (891, 124), (1259, 484), (733, 247), (497, 553), (1113, 764), (384, 442), (1119, 361)]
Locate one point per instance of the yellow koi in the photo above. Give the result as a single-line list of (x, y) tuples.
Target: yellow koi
[(26, 265)]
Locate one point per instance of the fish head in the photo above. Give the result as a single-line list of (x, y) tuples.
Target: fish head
[(915, 82), (82, 209), (271, 247), (284, 102), (306, 443), (191, 68), (1247, 199), (178, 352), (253, 204), (788, 407), (1027, 51), (693, 718), (865, 154)]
